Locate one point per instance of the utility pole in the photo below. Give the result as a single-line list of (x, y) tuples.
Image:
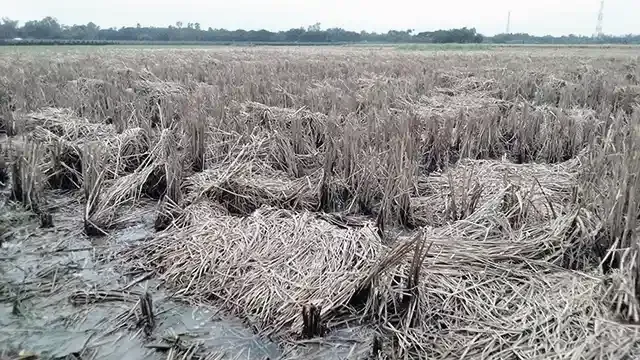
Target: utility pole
[(599, 32)]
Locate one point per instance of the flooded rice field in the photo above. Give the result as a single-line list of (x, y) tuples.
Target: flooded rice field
[(63, 297), (299, 204)]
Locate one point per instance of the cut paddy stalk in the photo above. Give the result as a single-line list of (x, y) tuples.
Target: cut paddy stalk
[(27, 179)]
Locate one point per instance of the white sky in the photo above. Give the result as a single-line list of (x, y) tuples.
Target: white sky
[(540, 17)]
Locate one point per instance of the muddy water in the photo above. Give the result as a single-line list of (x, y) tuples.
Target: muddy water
[(42, 270)]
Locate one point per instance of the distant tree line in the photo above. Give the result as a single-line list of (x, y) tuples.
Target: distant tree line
[(523, 38), (49, 30)]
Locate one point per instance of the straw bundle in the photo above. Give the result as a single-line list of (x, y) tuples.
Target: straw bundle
[(92, 97), (165, 101), (283, 156), (433, 299), (123, 153), (61, 161), (244, 186), (452, 127), (266, 266), (273, 148), (124, 74), (305, 128), (87, 86), (156, 177), (195, 212), (128, 150), (64, 169), (159, 89), (450, 78), (551, 90), (278, 149), (562, 135), (6, 96), (26, 177), (624, 286), (452, 107), (539, 189), (325, 95), (627, 98), (279, 116), (456, 83), (64, 123), (169, 207), (547, 133), (196, 138)]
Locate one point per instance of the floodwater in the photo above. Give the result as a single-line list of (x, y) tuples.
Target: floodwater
[(62, 296), (48, 276)]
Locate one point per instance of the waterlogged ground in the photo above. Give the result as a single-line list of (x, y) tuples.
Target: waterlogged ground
[(61, 297)]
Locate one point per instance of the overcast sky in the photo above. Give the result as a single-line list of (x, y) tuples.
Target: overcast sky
[(555, 17)]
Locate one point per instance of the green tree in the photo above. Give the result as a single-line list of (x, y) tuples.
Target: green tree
[(8, 28), (92, 31), (315, 27), (47, 28)]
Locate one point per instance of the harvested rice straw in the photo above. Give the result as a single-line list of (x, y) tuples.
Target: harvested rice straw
[(65, 165), (159, 88), (93, 177), (468, 279), (92, 297), (201, 209), (169, 207), (277, 118), (130, 149), (123, 153), (62, 159), (149, 178), (266, 266), (26, 177), (64, 123), (243, 186), (542, 188)]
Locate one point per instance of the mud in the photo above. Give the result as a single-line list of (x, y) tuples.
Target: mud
[(48, 278), (44, 273)]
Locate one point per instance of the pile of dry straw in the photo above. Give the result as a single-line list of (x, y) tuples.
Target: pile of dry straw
[(541, 190), (499, 262), (67, 137), (496, 281)]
